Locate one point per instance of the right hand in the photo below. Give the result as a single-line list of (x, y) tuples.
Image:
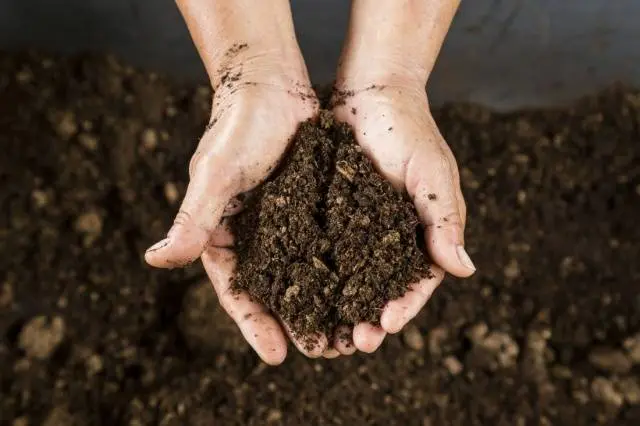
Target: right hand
[(251, 126)]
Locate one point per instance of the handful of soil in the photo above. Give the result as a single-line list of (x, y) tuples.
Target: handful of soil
[(327, 240)]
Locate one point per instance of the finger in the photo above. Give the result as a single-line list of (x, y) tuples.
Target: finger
[(310, 346), (397, 313), (368, 337), (432, 184), (343, 340), (200, 213), (258, 326), (331, 353)]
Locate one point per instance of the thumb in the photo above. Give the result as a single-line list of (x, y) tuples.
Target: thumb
[(435, 194), (200, 213)]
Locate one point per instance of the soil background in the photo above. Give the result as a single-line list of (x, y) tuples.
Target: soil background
[(93, 166)]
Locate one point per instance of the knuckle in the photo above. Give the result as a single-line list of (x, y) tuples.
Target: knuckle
[(441, 165), (183, 218), (194, 163)]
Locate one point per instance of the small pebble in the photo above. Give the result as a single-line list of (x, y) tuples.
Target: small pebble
[(581, 397), (274, 416), (171, 111), (40, 198), (21, 421), (629, 387), (512, 270), (24, 76), (94, 364), (610, 360), (89, 223), (6, 295), (171, 192), (632, 346), (436, 339), (504, 346), (64, 124), (89, 141), (561, 372), (149, 139), (477, 332), (453, 365), (522, 197), (603, 391), (412, 337), (60, 416), (40, 337)]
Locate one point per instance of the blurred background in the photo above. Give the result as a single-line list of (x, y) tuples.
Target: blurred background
[(502, 53)]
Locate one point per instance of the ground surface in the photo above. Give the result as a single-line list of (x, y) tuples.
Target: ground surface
[(93, 165)]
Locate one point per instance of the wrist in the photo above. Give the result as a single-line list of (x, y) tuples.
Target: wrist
[(256, 64), (245, 39), (394, 42), (363, 72)]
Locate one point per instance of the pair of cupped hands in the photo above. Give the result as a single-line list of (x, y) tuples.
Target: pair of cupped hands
[(253, 121)]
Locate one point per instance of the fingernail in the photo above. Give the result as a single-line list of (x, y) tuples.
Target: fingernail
[(158, 245), (464, 258)]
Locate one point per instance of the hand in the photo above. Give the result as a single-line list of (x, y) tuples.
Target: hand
[(396, 130), (252, 122)]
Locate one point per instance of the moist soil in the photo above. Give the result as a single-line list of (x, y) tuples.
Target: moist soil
[(327, 241), (93, 165)]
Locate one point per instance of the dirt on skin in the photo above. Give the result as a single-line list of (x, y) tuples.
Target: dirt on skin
[(93, 166), (327, 240)]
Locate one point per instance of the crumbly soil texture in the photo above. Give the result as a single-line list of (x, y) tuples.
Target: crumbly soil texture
[(327, 240), (94, 163)]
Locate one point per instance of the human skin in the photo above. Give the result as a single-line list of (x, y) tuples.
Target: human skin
[(262, 93), (388, 56)]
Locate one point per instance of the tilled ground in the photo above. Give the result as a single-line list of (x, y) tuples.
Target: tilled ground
[(94, 164)]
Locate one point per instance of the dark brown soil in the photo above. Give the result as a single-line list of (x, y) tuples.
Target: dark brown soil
[(327, 240), (93, 165)]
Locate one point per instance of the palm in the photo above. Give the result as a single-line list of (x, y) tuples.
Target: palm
[(396, 130)]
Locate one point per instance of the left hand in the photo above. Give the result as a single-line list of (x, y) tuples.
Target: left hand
[(395, 128)]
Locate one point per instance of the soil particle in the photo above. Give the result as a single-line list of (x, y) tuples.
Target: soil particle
[(412, 337), (41, 336), (453, 365), (603, 390), (512, 270), (477, 332), (64, 123), (274, 416), (610, 360), (629, 387), (20, 421), (89, 223), (171, 193), (436, 341), (94, 364), (494, 351), (60, 416), (534, 356), (632, 346), (6, 295), (342, 245), (149, 139), (561, 372), (89, 141)]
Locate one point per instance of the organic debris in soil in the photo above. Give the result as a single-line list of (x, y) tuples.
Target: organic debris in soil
[(328, 240)]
